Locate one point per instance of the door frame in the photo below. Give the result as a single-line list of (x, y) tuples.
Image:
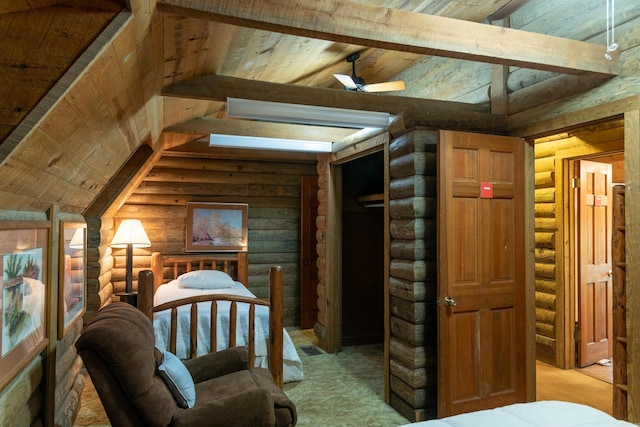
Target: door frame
[(333, 331)]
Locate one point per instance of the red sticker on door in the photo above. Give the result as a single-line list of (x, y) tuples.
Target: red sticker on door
[(486, 190)]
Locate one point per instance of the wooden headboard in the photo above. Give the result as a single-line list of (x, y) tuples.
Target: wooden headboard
[(168, 267)]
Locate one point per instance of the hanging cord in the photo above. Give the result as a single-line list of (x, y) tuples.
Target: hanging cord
[(611, 42), (613, 46)]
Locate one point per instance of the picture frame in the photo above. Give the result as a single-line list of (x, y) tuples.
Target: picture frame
[(216, 227), (24, 252), (72, 287)]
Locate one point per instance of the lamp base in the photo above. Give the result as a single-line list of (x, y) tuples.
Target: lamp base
[(129, 298)]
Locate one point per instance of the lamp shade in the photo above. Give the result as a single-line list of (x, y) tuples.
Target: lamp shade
[(77, 241), (132, 233)]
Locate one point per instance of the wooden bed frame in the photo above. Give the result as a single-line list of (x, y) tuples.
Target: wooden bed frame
[(236, 266)]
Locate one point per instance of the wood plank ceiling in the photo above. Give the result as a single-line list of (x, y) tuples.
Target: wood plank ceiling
[(219, 49), (264, 50), (39, 45)]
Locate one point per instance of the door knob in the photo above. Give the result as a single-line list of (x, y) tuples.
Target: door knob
[(450, 302)]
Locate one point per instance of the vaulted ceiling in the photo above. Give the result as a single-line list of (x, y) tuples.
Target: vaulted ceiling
[(169, 66), (202, 42)]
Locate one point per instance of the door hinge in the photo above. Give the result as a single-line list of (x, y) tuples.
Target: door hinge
[(575, 182)]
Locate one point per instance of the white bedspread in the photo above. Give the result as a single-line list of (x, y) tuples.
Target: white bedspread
[(292, 370), (534, 414)]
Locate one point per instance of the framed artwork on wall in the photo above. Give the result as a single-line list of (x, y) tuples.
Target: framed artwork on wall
[(23, 258), (72, 280), (214, 227)]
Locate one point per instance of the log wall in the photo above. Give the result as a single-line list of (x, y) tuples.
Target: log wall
[(552, 305), (22, 400), (69, 378), (99, 265), (271, 189), (413, 276)]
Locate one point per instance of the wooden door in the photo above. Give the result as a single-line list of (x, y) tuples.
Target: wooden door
[(594, 263), (482, 338), (308, 253)]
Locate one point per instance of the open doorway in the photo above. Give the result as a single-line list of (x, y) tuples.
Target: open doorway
[(589, 211), (560, 241), (363, 250)]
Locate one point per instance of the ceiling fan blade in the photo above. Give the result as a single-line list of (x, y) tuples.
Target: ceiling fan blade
[(384, 87), (346, 81)]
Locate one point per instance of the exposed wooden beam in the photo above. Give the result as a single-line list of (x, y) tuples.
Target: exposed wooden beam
[(524, 125), (498, 94), (175, 139), (507, 10), (424, 112), (263, 129), (394, 29), (550, 90)]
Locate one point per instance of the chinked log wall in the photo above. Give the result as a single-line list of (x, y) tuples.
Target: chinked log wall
[(271, 189), (413, 276), (550, 154)]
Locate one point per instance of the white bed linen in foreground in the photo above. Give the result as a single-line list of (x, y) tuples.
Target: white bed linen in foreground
[(534, 414), (292, 370)]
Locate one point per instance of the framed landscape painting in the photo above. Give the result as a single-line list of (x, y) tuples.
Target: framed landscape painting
[(214, 227), (23, 259)]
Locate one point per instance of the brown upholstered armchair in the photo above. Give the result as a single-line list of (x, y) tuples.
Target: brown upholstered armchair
[(118, 350)]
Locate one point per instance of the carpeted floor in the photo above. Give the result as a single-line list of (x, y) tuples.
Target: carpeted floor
[(344, 389)]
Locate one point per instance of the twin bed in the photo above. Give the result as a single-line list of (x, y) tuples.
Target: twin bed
[(534, 414), (199, 304)]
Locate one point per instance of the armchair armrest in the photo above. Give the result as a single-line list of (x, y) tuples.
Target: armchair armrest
[(216, 364), (249, 408)]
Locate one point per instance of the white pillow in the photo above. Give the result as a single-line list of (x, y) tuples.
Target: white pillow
[(205, 279), (178, 379)]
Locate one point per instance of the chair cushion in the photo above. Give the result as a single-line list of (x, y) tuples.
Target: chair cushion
[(178, 379)]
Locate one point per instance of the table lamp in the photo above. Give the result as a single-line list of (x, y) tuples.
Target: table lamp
[(130, 235)]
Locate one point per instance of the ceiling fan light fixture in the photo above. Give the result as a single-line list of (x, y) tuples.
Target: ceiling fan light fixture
[(346, 81), (357, 84)]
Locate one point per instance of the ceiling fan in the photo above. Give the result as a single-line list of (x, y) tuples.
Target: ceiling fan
[(355, 83)]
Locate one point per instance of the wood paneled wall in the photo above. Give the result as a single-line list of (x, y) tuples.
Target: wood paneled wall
[(553, 306), (271, 189), (413, 276)]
